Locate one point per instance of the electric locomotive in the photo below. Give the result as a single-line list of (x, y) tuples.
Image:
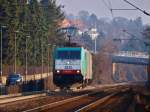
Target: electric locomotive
[(72, 65)]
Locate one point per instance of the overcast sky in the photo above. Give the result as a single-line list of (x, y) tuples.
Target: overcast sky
[(100, 9)]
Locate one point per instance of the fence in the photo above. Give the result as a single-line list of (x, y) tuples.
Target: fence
[(29, 86)]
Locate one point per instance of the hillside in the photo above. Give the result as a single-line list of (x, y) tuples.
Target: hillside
[(110, 29)]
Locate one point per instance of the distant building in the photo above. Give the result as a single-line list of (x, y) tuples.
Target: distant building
[(93, 33), (79, 32), (65, 24)]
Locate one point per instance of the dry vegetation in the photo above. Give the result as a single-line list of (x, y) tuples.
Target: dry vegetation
[(102, 63), (103, 67)]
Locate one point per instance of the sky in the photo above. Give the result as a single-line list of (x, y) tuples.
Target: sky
[(100, 8)]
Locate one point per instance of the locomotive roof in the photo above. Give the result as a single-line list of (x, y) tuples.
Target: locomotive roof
[(72, 48), (73, 45)]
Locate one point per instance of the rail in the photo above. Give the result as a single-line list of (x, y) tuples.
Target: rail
[(94, 104), (71, 100), (104, 102), (51, 105), (2, 97), (20, 98)]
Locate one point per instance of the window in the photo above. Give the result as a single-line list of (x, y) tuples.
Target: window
[(69, 55)]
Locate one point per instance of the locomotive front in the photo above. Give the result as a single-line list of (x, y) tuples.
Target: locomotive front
[(67, 66)]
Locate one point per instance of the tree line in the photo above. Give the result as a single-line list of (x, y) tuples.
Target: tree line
[(32, 25), (116, 28)]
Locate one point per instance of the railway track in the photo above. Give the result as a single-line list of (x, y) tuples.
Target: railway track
[(111, 99), (76, 103), (117, 102), (56, 105), (28, 103)]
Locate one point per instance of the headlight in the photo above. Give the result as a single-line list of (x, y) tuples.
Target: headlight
[(78, 71), (18, 80), (58, 71)]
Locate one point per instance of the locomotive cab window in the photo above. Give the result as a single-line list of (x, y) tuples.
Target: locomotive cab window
[(68, 55)]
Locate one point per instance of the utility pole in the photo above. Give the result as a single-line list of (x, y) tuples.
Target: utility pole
[(15, 48), (2, 52), (50, 61), (148, 67), (94, 34), (26, 58), (69, 37), (15, 52), (1, 74), (48, 70), (95, 46), (42, 56)]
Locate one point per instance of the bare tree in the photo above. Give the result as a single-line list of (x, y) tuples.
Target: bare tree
[(146, 32)]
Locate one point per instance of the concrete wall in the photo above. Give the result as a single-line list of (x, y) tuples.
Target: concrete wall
[(30, 77), (48, 83)]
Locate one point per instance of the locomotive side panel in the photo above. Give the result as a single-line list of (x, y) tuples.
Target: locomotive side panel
[(83, 63), (88, 66)]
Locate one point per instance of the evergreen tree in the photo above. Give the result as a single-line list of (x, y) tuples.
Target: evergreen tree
[(38, 20)]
